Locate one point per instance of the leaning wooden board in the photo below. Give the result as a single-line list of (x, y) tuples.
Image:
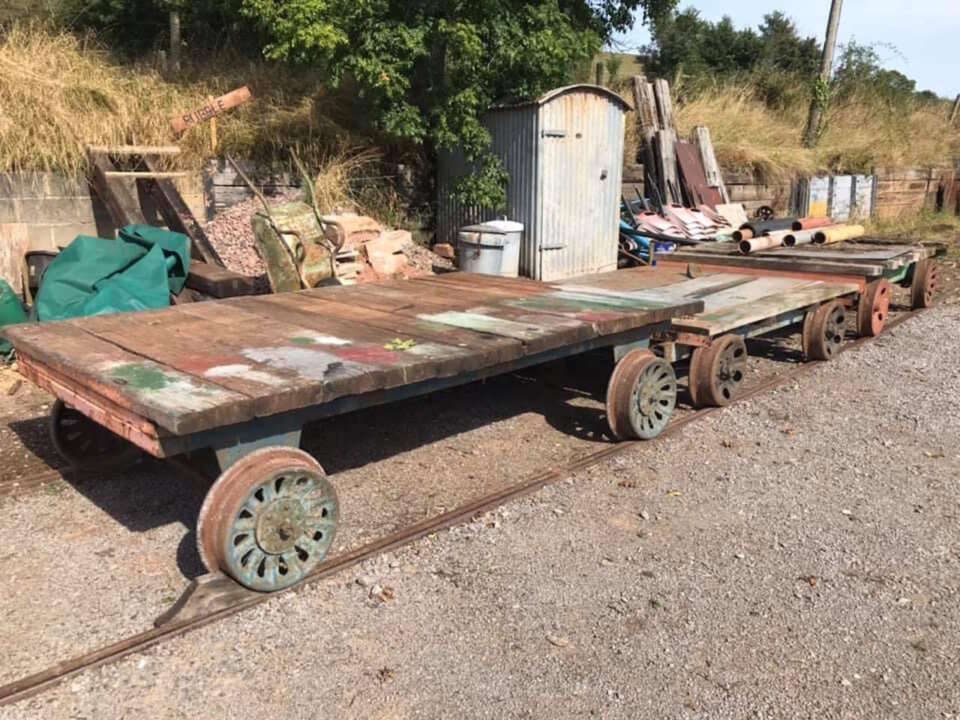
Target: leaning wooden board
[(731, 301), (201, 366)]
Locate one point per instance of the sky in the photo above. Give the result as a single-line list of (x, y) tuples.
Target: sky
[(925, 33)]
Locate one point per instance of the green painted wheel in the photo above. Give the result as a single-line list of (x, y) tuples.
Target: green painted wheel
[(641, 396), (87, 445), (269, 519)]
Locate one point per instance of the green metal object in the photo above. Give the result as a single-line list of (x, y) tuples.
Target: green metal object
[(293, 247), (654, 398), (11, 313)]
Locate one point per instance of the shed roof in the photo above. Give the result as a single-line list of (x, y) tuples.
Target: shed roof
[(557, 92)]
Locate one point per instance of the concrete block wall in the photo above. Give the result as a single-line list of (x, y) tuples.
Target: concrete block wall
[(56, 209)]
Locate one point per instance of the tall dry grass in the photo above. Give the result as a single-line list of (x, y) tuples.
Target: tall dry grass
[(60, 92), (861, 131)]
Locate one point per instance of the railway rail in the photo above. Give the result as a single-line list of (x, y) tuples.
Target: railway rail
[(175, 626)]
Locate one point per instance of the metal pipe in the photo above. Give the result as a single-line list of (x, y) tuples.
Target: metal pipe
[(765, 242), (744, 233), (837, 233), (808, 223), (801, 237)]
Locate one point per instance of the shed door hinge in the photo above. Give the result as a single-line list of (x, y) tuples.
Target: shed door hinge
[(544, 248), (555, 133)]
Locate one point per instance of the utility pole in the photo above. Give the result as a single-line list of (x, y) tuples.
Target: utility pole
[(826, 66)]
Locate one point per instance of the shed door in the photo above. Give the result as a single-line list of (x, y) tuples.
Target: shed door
[(581, 148)]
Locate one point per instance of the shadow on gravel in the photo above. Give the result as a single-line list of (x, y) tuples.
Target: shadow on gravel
[(355, 439)]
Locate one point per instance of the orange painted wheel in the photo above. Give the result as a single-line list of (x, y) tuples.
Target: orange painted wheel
[(269, 519), (873, 308)]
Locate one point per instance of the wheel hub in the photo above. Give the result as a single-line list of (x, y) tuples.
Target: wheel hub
[(280, 525)]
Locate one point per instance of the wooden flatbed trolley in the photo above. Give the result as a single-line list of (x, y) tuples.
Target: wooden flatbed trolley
[(242, 376), (874, 265)]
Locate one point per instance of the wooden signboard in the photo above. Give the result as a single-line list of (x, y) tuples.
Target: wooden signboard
[(211, 109)]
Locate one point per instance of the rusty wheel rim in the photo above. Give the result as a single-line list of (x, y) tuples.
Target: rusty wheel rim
[(925, 283), (725, 369), (874, 308), (827, 331), (85, 444), (269, 519), (641, 396)]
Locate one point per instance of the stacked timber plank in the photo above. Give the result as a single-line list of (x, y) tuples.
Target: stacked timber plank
[(678, 171)]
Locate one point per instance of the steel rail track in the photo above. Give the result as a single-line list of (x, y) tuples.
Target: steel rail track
[(36, 683)]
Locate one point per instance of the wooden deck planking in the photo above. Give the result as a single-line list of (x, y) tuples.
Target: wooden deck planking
[(763, 262), (723, 317), (174, 400), (486, 349), (343, 358), (204, 365)]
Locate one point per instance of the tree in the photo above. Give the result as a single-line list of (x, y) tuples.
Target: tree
[(684, 40), (428, 69)]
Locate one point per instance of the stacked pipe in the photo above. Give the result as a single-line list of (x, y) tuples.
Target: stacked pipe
[(791, 232)]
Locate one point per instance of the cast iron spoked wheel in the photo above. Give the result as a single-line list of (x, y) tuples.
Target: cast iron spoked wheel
[(924, 285), (641, 396), (764, 212), (823, 331), (269, 519), (717, 371), (873, 308), (87, 445)]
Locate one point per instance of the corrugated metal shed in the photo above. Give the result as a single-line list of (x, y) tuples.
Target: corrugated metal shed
[(564, 155)]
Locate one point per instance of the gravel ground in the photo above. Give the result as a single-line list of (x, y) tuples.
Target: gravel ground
[(795, 555)]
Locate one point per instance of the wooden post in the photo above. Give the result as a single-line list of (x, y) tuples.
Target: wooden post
[(826, 67), (175, 40), (213, 128), (956, 109)]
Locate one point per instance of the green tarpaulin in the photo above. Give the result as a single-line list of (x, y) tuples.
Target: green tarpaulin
[(93, 276), (11, 313)]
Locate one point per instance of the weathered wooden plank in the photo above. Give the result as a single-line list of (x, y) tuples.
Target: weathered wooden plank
[(711, 168), (679, 290), (484, 349), (771, 263), (197, 347), (607, 318), (178, 216), (174, 400), (430, 354), (124, 209), (667, 165), (219, 282), (722, 320), (661, 90), (344, 360), (14, 243)]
